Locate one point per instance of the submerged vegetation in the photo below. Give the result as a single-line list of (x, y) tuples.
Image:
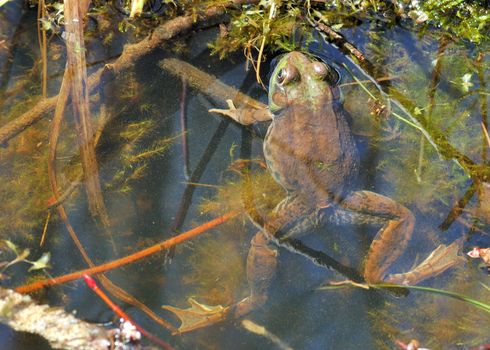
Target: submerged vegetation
[(217, 264), (457, 323)]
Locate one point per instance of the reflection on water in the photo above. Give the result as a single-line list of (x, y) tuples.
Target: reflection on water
[(141, 158), (11, 340)]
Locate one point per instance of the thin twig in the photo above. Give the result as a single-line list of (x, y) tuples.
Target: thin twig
[(197, 173), (45, 229), (389, 78), (265, 33), (42, 40), (485, 132), (183, 127), (164, 245), (118, 311)]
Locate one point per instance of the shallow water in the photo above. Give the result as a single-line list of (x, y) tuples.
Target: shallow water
[(144, 189)]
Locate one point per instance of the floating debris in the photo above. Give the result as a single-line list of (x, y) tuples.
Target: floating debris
[(413, 345), (482, 253), (257, 329), (60, 328)]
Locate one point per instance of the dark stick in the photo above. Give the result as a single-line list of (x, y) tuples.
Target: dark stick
[(183, 128), (457, 209), (198, 172), (321, 259)]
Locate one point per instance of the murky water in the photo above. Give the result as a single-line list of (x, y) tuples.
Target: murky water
[(142, 165)]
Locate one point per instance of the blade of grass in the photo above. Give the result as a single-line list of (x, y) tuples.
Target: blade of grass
[(454, 295)]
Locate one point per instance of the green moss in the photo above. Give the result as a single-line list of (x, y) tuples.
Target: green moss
[(468, 20)]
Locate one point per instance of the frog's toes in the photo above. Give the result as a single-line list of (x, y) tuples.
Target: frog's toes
[(230, 112), (441, 259), (198, 315)]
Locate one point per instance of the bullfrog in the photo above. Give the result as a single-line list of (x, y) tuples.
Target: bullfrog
[(311, 152)]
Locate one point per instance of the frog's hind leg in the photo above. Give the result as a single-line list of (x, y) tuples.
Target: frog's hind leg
[(262, 256), (392, 239), (261, 269)]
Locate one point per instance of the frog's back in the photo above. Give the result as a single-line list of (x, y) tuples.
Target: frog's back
[(312, 154)]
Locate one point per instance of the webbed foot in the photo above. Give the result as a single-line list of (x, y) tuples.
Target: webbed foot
[(244, 116), (198, 315), (441, 259)]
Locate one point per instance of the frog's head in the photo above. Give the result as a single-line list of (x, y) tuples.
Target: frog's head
[(299, 79)]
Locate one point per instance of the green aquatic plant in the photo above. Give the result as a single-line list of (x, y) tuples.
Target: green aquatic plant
[(216, 265), (252, 27), (462, 319), (23, 163), (256, 185), (437, 124), (21, 255), (24, 182), (139, 147), (466, 19)]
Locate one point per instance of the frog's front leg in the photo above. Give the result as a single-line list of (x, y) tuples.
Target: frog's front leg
[(391, 240), (244, 116)]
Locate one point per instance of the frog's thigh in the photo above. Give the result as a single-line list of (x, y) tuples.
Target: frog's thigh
[(392, 239), (291, 219)]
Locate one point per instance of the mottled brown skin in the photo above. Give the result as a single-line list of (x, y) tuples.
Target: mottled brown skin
[(310, 151)]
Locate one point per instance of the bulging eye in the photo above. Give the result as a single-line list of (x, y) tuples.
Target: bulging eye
[(287, 74), (320, 69), (326, 73)]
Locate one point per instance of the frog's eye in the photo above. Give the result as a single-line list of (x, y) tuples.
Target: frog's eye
[(325, 72), (287, 74), (320, 69)]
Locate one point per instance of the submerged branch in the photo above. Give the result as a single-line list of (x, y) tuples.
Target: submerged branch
[(345, 46), (208, 84), (76, 72)]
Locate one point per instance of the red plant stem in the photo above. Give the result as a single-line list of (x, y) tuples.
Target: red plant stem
[(128, 259), (117, 310)]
